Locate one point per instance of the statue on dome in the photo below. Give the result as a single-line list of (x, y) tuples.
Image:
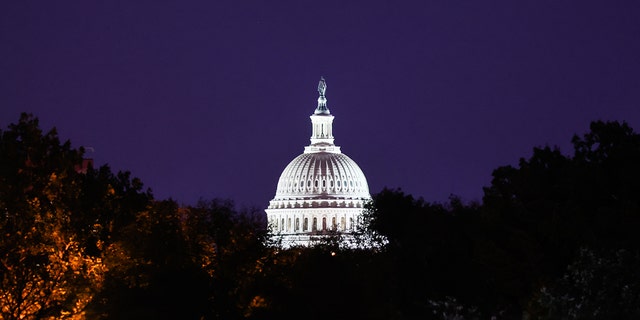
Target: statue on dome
[(322, 86)]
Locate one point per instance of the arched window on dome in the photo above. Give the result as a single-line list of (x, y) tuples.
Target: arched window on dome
[(324, 183), (315, 184), (297, 224), (338, 183), (282, 225), (305, 224), (324, 224), (343, 224), (334, 225), (315, 224), (289, 224)]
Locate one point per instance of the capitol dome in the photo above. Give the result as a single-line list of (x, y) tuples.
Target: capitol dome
[(321, 191)]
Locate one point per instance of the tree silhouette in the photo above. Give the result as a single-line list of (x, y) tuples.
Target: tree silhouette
[(555, 237), (44, 270)]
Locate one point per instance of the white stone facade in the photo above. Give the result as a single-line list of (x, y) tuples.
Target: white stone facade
[(320, 192)]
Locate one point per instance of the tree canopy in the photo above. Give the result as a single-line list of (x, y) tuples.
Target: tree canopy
[(554, 237)]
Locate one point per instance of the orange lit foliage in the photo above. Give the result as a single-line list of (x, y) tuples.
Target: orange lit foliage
[(95, 245), (44, 272)]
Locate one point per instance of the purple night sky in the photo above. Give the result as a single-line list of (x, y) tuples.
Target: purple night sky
[(212, 98)]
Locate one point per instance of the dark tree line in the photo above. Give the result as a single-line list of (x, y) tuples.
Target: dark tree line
[(554, 238)]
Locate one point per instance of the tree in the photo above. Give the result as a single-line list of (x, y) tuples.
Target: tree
[(566, 202), (44, 271), (442, 254), (595, 286), (230, 248), (58, 225), (152, 270)]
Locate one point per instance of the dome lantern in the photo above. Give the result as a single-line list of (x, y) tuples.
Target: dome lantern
[(322, 125)]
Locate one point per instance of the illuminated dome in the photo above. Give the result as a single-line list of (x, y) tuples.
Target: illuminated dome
[(321, 176), (321, 191)]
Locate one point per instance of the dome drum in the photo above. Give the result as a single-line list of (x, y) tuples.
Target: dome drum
[(313, 220)]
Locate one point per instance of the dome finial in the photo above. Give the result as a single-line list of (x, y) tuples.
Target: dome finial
[(322, 86), (322, 100)]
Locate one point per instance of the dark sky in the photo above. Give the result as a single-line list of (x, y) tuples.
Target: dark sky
[(212, 98)]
